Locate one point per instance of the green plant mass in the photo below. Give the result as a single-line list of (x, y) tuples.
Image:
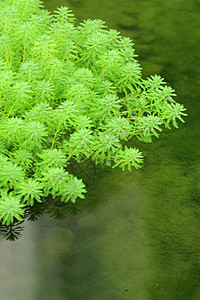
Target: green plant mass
[(69, 93)]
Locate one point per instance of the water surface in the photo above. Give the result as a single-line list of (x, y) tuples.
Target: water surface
[(138, 234)]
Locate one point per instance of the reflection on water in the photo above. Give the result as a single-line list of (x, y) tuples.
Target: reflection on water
[(137, 236), (18, 278)]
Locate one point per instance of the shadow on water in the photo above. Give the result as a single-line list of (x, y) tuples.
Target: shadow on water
[(137, 234)]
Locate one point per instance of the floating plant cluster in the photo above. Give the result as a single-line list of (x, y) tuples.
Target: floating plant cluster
[(69, 92)]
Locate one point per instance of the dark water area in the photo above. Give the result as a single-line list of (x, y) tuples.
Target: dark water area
[(137, 236)]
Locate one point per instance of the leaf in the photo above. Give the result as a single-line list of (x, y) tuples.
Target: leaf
[(80, 143), (10, 174), (51, 158), (64, 14), (129, 157), (43, 91), (52, 178), (120, 127), (10, 208), (72, 190), (32, 135), (22, 158), (30, 190)]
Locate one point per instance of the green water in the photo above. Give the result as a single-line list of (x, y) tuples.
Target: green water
[(138, 234)]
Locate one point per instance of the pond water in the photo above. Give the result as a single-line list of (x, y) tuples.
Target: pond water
[(137, 236)]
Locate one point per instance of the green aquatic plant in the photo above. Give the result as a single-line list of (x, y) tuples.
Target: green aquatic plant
[(11, 208), (69, 93)]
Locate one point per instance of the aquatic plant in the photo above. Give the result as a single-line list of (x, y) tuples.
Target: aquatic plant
[(69, 93)]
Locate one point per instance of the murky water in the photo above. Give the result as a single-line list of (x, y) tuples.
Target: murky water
[(138, 234)]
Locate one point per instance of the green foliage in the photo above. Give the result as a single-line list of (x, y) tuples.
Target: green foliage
[(69, 93), (30, 190), (10, 174), (72, 189), (128, 157), (10, 208)]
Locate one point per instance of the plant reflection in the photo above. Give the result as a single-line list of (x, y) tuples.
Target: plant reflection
[(53, 207)]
